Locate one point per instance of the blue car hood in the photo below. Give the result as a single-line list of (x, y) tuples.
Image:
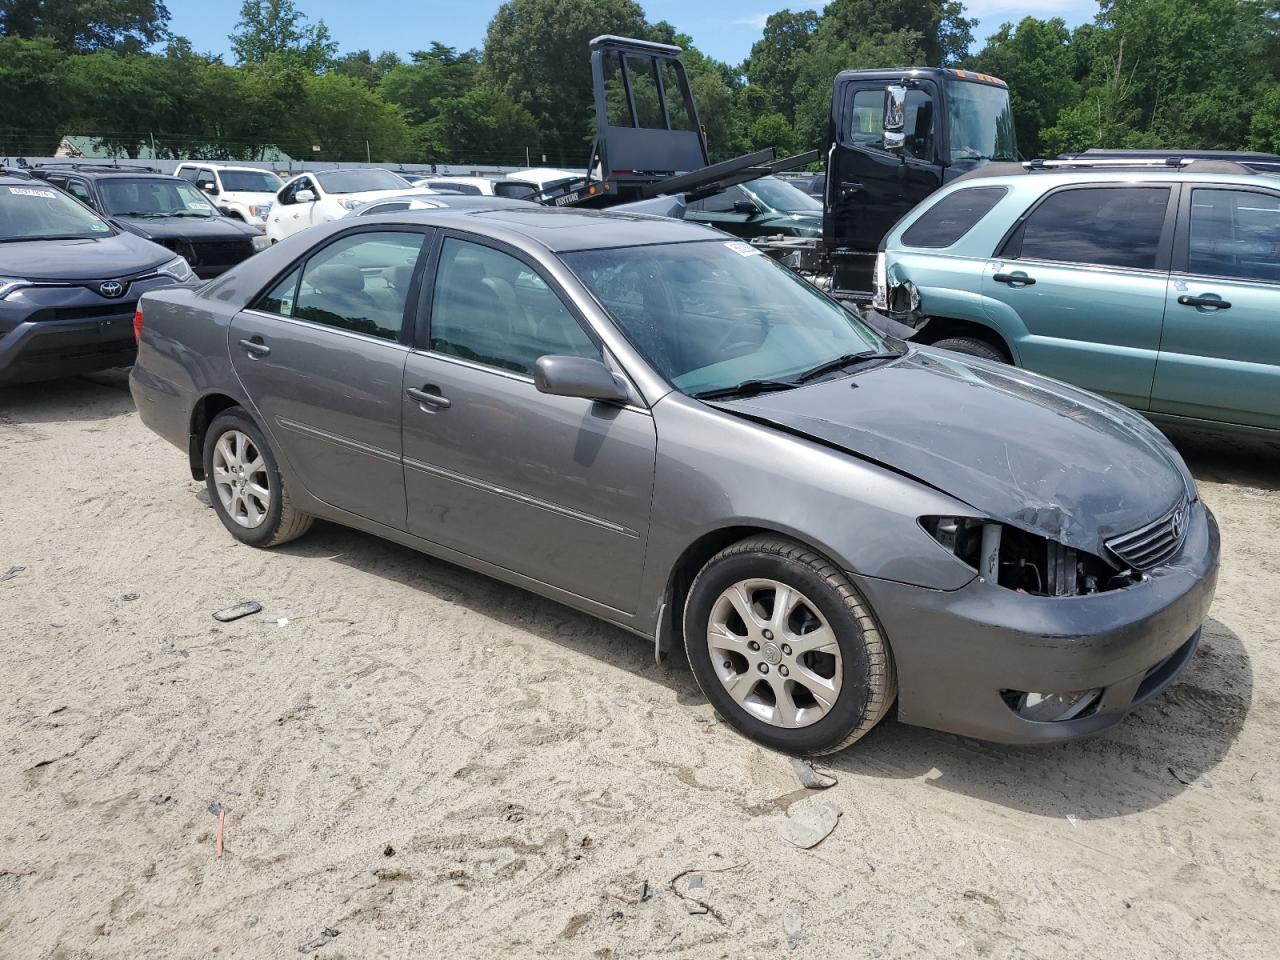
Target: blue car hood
[(1017, 447), (97, 258), (186, 228)]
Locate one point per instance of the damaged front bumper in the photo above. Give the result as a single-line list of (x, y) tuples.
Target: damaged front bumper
[(963, 655)]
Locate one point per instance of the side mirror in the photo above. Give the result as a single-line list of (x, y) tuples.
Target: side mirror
[(745, 206), (304, 196), (895, 103), (577, 377), (209, 188)]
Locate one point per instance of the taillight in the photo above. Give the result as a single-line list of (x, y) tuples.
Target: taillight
[(137, 324)]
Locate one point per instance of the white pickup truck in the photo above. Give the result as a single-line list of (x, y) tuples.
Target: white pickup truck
[(245, 193)]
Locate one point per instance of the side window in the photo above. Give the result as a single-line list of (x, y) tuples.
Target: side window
[(285, 196), (360, 283), (80, 190), (1108, 226), (280, 298), (952, 217), (205, 178), (376, 208), (723, 201), (305, 183), (1235, 233), (450, 186), (491, 308), (186, 173), (864, 122)]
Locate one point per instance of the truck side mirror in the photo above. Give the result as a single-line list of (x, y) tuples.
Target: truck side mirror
[(895, 103)]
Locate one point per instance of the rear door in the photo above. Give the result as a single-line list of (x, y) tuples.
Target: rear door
[(1220, 356), (556, 489), (321, 355), (1079, 286)]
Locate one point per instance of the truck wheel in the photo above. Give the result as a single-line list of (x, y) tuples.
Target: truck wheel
[(785, 648), (971, 347), (245, 485)]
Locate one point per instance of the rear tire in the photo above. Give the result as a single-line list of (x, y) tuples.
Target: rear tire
[(971, 347), (800, 701), (246, 488)]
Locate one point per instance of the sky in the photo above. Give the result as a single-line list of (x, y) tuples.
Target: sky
[(724, 29)]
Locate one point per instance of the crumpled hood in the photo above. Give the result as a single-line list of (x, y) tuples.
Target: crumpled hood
[(187, 228), (99, 258), (1018, 447)]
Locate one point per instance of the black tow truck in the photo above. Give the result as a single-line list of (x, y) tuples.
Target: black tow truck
[(893, 137)]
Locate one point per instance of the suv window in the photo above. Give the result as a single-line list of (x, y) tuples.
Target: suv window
[(721, 202), (1234, 233), (80, 190), (360, 283), (864, 122), (952, 217), (494, 309), (1108, 226)]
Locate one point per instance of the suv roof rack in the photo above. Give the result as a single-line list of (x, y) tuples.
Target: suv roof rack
[(96, 167)]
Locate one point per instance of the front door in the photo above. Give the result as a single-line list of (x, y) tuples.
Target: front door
[(729, 210), (1080, 286), (291, 214), (870, 188), (553, 488), (1220, 357), (321, 356)]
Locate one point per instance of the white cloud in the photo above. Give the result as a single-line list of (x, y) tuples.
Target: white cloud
[(755, 20)]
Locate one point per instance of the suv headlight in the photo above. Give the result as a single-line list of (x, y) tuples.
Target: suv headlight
[(10, 284), (880, 294), (261, 242), (178, 269), (1025, 562), (349, 204)]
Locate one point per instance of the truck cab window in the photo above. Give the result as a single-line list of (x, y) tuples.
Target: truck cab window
[(864, 122)]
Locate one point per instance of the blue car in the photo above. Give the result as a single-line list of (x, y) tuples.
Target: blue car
[(69, 284)]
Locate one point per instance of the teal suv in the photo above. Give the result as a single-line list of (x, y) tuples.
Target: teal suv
[(1156, 286)]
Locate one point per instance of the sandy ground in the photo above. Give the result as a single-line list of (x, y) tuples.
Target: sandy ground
[(431, 763)]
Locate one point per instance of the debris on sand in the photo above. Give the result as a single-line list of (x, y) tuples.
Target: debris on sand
[(696, 905), (238, 611), (810, 778), (809, 825), (311, 946), (11, 573)]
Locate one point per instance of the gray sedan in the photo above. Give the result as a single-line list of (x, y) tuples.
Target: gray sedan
[(663, 428)]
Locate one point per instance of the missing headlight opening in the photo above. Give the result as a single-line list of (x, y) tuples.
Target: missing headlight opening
[(1024, 562)]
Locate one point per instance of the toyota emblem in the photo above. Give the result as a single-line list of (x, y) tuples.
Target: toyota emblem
[(1177, 522), (111, 289)]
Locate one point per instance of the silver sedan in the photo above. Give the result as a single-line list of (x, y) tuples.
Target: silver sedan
[(661, 427)]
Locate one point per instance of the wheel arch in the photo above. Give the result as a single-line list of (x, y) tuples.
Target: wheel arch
[(202, 414), (942, 328), (670, 629)]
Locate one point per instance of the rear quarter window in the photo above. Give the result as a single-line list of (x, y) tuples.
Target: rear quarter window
[(952, 217)]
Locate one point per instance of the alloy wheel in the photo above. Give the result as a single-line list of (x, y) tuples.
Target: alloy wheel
[(241, 479), (774, 652)]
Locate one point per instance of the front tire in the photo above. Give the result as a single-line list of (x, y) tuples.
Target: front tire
[(785, 648), (245, 485), (971, 347)]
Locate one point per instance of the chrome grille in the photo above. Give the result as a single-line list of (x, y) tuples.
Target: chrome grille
[(1155, 543)]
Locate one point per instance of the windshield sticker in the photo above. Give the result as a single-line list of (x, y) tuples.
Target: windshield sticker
[(743, 249), (28, 192), (198, 205)]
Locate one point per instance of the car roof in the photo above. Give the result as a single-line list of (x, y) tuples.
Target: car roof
[(108, 174), (557, 229), (1054, 173), (223, 166)]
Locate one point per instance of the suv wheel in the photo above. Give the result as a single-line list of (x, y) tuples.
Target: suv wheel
[(972, 347), (786, 649), (245, 484)]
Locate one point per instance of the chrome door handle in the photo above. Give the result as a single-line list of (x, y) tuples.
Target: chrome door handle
[(1189, 301), (1014, 279), (430, 399), (255, 348)]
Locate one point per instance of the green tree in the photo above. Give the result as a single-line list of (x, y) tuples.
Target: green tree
[(536, 54), (33, 77), (481, 126), (434, 75), (86, 24), (1037, 61), (774, 63), (364, 66), (347, 121), (277, 28)]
